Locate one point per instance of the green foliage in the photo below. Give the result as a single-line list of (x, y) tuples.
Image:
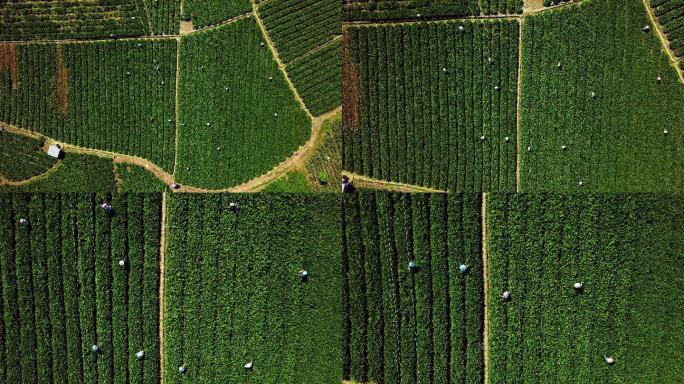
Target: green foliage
[(46, 19), (499, 7), (412, 327), (234, 295), (132, 178), (411, 9), (22, 157), (63, 291), (327, 159), (207, 12), (670, 15), (254, 122), (76, 173), (164, 16), (317, 78), (627, 251), (429, 111), (289, 182), (615, 141), (299, 26), (120, 95)]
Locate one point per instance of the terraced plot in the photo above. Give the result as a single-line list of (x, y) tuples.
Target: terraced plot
[(64, 291), (381, 10), (203, 13), (432, 104), (22, 157), (625, 249), (233, 294), (670, 16), (423, 326)]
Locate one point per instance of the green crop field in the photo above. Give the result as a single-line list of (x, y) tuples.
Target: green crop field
[(203, 13), (412, 327), (626, 250), (238, 116), (670, 14), (233, 294), (380, 10), (602, 118), (306, 35), (22, 157), (63, 289), (433, 104), (114, 95)]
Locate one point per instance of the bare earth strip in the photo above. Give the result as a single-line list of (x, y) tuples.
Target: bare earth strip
[(518, 162), (369, 182), (162, 255), (663, 41), (485, 282)]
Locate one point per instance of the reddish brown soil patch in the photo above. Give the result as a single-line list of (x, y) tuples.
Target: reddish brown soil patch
[(8, 61), (351, 88), (61, 83)]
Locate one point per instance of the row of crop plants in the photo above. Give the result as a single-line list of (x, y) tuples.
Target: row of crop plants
[(435, 104), (305, 34), (204, 13), (234, 294), (22, 157), (238, 117), (670, 15), (164, 16), (114, 95), (619, 324), (381, 10), (64, 290), (44, 19), (599, 102), (412, 325)]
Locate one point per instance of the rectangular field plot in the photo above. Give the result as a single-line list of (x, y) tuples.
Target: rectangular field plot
[(234, 294), (379, 10), (64, 290), (432, 104), (625, 251), (420, 326)]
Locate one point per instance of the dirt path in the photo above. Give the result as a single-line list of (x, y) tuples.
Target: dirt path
[(369, 182), (162, 275), (281, 65), (485, 283), (518, 144), (532, 6), (664, 41)]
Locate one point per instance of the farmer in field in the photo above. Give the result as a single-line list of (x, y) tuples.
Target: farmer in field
[(347, 187), (234, 208), (24, 222), (107, 207), (303, 275)]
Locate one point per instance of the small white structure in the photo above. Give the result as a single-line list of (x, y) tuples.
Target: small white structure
[(463, 268), (122, 263), (497, 88), (482, 137), (564, 147), (461, 28), (646, 28), (581, 183), (529, 149), (593, 95), (139, 355), (303, 274), (95, 348), (665, 131), (506, 296), (248, 365), (578, 286), (55, 150), (507, 139), (659, 79), (182, 368), (262, 44), (559, 65), (610, 360)]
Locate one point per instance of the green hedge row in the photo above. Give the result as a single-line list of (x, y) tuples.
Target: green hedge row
[(317, 77), (420, 327), (204, 13), (64, 291), (355, 10)]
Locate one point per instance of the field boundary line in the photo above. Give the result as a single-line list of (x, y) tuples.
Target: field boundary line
[(162, 275), (664, 42), (91, 40), (391, 184), (485, 284), (18, 183), (518, 143), (220, 24), (552, 7), (314, 50), (280, 63)]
